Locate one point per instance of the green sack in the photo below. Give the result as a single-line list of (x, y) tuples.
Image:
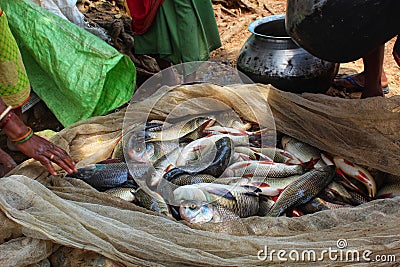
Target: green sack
[(74, 72)]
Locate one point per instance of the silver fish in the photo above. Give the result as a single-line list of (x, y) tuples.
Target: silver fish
[(240, 200), (177, 130), (127, 194), (358, 173), (262, 169), (151, 201), (186, 179), (389, 190), (302, 151), (318, 204), (202, 212)]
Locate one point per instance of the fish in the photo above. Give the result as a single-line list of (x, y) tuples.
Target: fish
[(389, 190), (336, 193), (265, 204), (197, 150), (358, 198), (277, 155), (223, 151), (318, 204), (267, 186), (225, 130), (302, 151), (152, 201), (162, 166), (138, 150), (255, 168), (240, 200), (186, 179), (103, 176), (302, 190), (252, 154), (177, 130), (118, 152), (195, 211), (357, 172), (125, 193), (231, 120)]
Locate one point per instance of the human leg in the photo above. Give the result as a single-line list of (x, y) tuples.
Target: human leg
[(373, 67)]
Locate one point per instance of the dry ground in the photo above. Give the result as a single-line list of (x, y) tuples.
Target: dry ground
[(233, 29)]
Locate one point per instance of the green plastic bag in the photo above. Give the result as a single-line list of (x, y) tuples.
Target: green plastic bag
[(74, 72)]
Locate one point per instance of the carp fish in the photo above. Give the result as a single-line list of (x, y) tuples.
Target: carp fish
[(239, 200), (195, 211), (104, 176), (303, 189)]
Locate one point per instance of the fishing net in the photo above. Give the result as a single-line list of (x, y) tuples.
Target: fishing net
[(41, 213)]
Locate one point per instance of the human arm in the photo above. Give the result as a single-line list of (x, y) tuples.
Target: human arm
[(32, 145)]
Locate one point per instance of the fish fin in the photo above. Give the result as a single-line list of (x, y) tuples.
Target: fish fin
[(387, 195), (222, 192), (249, 175), (169, 167), (252, 194), (110, 161), (245, 157), (262, 157), (309, 165), (130, 184), (269, 191), (267, 161), (296, 213), (251, 187)]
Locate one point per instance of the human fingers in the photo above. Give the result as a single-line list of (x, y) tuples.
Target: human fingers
[(62, 156), (46, 163), (61, 159)]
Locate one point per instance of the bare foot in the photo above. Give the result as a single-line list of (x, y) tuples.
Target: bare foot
[(340, 81)]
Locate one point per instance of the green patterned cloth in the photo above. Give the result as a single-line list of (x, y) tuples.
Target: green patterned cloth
[(182, 31), (14, 83)]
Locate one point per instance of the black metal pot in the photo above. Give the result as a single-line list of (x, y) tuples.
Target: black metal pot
[(270, 56)]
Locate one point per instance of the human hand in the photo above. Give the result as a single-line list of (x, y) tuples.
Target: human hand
[(46, 152)]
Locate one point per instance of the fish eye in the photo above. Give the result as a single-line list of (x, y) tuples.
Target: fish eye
[(192, 206), (138, 149)]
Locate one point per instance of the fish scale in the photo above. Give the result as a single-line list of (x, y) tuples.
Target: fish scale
[(186, 179), (103, 176), (302, 190), (262, 169), (318, 204), (176, 131)]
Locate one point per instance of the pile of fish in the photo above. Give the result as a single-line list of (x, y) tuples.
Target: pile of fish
[(207, 170)]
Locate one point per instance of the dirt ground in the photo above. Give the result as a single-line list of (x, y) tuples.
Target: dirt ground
[(232, 20), (234, 33)]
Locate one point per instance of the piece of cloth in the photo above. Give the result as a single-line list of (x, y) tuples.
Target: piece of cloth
[(14, 83), (182, 31), (143, 13), (342, 30)]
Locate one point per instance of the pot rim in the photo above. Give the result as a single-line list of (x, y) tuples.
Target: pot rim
[(252, 26)]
